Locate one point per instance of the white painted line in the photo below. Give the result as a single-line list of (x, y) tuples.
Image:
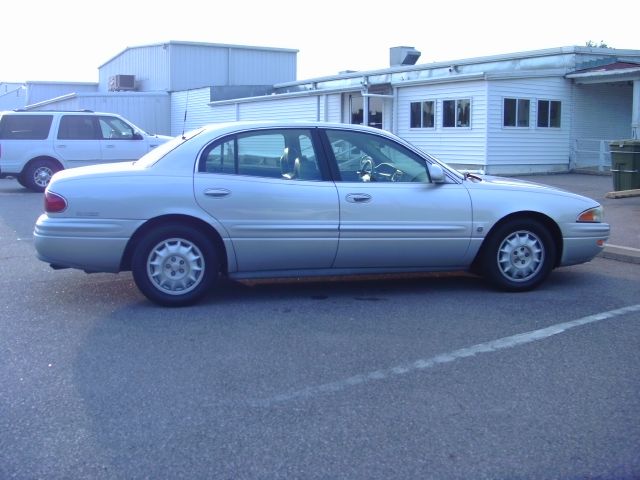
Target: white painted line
[(487, 347)]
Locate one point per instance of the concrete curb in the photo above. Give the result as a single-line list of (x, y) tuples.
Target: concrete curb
[(624, 194), (622, 254)]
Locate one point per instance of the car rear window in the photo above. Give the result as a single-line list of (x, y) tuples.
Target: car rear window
[(25, 127)]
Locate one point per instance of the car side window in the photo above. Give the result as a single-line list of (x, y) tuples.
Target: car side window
[(286, 154), (113, 128), (77, 127), (364, 157)]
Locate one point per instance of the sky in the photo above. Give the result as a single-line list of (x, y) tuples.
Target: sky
[(67, 40)]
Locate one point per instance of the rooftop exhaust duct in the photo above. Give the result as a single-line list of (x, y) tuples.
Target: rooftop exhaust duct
[(403, 56)]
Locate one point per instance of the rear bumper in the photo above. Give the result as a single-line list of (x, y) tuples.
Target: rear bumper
[(93, 246)]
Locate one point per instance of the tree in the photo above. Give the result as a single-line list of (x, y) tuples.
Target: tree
[(591, 43)]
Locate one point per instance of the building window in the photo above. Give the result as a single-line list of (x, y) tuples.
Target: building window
[(549, 113), (456, 113), (516, 112), (356, 105), (423, 114)]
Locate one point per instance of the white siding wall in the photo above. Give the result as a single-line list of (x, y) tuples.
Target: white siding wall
[(150, 112), (225, 113), (196, 103), (297, 108), (464, 147), (334, 112), (602, 111), (532, 149)]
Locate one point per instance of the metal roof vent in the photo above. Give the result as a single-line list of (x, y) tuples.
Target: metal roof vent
[(403, 56)]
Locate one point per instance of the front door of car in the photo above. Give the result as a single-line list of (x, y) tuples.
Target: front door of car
[(391, 215), (267, 189), (120, 142)]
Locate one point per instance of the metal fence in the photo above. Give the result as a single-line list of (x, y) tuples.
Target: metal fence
[(591, 154)]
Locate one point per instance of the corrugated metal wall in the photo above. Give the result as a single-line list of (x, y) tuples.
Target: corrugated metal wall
[(150, 65), (458, 146), (532, 148), (41, 91), (12, 96), (177, 66), (151, 112)]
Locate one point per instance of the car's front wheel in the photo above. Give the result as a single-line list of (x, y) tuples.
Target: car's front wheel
[(518, 255), (175, 265)]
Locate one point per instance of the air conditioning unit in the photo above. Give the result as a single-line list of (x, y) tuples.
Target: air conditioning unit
[(122, 82)]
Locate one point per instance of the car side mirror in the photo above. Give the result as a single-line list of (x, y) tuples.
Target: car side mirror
[(436, 173)]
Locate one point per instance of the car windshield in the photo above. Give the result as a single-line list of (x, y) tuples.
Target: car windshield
[(160, 151)]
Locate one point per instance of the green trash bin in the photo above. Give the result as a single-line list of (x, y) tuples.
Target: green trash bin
[(625, 164)]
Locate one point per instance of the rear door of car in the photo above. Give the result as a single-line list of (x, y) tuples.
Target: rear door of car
[(272, 194), (77, 142), (391, 215)]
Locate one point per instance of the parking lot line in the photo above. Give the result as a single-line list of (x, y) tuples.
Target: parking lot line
[(423, 364)]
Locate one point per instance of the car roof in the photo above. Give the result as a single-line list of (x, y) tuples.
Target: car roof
[(231, 127)]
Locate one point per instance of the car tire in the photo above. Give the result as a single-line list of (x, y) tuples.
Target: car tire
[(518, 255), (38, 174), (175, 265)]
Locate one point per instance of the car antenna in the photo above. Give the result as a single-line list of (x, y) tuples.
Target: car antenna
[(184, 121)]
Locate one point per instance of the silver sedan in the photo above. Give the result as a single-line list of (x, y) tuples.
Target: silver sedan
[(265, 200)]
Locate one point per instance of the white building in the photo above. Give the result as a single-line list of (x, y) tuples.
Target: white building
[(538, 111)]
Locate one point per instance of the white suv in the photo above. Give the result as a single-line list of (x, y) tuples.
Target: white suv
[(35, 145)]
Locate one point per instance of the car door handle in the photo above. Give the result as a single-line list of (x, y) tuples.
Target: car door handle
[(217, 192), (110, 145), (358, 197)]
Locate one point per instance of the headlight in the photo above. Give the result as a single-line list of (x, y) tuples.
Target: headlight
[(593, 215)]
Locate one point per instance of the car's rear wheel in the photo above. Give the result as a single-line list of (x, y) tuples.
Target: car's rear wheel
[(38, 174), (518, 255), (175, 265)]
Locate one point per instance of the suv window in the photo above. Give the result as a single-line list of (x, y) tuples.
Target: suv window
[(77, 127), (113, 128), (25, 127)]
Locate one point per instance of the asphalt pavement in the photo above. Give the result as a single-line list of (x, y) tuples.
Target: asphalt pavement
[(621, 209)]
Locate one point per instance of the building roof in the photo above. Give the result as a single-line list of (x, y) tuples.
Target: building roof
[(611, 72), (609, 67), (201, 44)]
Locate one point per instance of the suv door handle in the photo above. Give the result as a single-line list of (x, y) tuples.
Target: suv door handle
[(358, 197)]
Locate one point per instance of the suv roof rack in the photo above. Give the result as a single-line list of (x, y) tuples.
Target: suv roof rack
[(62, 111)]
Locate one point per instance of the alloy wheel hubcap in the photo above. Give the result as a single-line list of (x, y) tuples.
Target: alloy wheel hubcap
[(42, 176), (520, 256), (175, 266)]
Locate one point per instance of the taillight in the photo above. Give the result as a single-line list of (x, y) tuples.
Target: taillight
[(54, 203)]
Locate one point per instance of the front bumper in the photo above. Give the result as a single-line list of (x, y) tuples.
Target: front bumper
[(583, 241)]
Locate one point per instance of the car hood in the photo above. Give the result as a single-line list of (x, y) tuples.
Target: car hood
[(489, 182)]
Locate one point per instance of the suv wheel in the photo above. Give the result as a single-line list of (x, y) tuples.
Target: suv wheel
[(38, 174)]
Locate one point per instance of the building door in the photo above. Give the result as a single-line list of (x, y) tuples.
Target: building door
[(354, 106)]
